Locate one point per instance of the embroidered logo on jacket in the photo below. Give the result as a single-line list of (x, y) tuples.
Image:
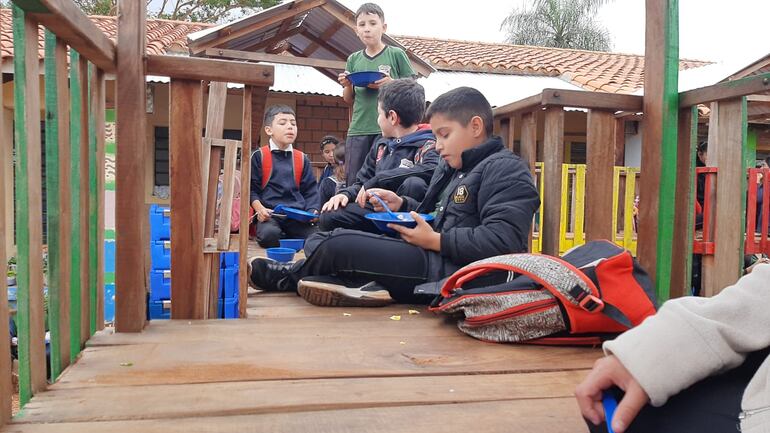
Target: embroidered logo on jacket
[(461, 195), (427, 147)]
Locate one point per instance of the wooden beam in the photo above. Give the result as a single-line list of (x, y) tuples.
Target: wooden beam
[(553, 155), (325, 45), (185, 122), (227, 34), (659, 139), (6, 386), (228, 187), (532, 103), (727, 154), (243, 229), (190, 68), (327, 34), (269, 42), (29, 208), (592, 100), (727, 90), (130, 217), (274, 58), (600, 167), (69, 23), (681, 249)]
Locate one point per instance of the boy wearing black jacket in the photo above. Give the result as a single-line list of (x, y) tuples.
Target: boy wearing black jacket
[(403, 160), (483, 199)]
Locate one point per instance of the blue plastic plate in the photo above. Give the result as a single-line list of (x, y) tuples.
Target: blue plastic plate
[(610, 404), (295, 214), (364, 78), (382, 219)]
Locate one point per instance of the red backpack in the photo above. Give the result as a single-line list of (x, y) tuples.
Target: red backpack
[(267, 165), (595, 292)]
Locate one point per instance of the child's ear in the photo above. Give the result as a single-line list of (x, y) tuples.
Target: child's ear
[(268, 131), (477, 126), (384, 27)]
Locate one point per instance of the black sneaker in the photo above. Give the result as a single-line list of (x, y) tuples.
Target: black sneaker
[(265, 274), (332, 292)]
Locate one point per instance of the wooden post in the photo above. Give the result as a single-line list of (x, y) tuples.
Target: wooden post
[(599, 171), (243, 229), (620, 142), (29, 208), (76, 280), (726, 152), (187, 278), (529, 139), (130, 218), (659, 138), (681, 249), (96, 197), (6, 387), (553, 155), (85, 225)]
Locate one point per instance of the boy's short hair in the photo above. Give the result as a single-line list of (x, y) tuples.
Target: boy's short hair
[(370, 8), (275, 110), (329, 139), (339, 154), (703, 146), (406, 97), (461, 105), (767, 160)]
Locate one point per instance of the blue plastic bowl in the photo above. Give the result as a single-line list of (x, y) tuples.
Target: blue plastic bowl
[(294, 244), (295, 214), (364, 78), (282, 255), (382, 219)]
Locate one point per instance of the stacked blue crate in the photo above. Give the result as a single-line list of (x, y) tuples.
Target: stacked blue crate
[(159, 306)]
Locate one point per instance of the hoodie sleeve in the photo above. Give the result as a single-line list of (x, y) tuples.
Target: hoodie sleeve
[(308, 187), (256, 177), (507, 202), (364, 174), (393, 178), (697, 337)]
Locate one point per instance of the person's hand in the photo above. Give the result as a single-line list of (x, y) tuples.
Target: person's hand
[(390, 198), (608, 372), (263, 214), (362, 197), (379, 83), (334, 203), (342, 78), (422, 235)]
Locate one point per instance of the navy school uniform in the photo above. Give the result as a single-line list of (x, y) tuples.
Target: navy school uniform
[(282, 189), (403, 165), (483, 210)]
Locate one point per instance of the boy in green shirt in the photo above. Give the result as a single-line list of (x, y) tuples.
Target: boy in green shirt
[(376, 56)]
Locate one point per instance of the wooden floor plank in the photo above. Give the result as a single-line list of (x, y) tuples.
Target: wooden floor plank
[(557, 415), (252, 398)]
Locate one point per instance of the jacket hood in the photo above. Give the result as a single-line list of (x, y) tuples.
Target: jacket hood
[(415, 139)]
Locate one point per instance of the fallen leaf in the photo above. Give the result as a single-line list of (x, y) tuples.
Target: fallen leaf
[(395, 317), (126, 364), (413, 312)]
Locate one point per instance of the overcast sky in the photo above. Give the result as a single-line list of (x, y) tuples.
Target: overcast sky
[(716, 30)]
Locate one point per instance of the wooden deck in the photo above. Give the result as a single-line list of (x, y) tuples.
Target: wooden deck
[(294, 367)]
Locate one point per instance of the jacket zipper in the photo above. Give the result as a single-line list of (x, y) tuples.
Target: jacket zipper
[(530, 308), (747, 413)]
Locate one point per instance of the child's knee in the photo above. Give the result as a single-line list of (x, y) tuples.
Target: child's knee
[(413, 187), (269, 236)]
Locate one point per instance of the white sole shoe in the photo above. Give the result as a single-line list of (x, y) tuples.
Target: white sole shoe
[(328, 294)]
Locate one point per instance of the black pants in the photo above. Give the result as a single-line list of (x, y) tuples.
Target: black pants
[(353, 217), (362, 257), (272, 230), (356, 148), (711, 405)]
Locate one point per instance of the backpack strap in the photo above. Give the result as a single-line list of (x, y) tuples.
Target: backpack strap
[(557, 276), (267, 165)]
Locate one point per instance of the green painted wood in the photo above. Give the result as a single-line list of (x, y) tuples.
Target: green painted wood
[(22, 209), (31, 6), (75, 134), (93, 209), (748, 161), (667, 191), (52, 202)]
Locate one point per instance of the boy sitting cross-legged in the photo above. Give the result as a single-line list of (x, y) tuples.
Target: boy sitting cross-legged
[(483, 199), (281, 174), (403, 160)]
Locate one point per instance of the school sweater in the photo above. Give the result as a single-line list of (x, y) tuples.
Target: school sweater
[(282, 188), (700, 337)]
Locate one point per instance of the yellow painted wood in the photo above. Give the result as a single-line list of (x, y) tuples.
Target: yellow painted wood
[(615, 199), (579, 195)]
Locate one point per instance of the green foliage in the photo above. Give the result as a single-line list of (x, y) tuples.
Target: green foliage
[(559, 24), (98, 7), (210, 11)]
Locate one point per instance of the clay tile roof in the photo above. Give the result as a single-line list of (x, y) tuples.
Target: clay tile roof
[(598, 71), (162, 35)]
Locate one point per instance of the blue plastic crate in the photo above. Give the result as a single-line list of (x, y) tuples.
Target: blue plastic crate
[(109, 256), (228, 260), (159, 310), (160, 285), (228, 308), (109, 302), (160, 255), (160, 223), (228, 283)]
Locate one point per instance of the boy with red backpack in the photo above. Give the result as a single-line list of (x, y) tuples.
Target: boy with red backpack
[(282, 175)]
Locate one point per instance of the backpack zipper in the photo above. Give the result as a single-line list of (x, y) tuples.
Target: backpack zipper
[(520, 310)]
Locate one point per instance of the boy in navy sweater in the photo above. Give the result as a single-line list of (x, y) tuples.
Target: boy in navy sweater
[(403, 160), (483, 200), (281, 174)]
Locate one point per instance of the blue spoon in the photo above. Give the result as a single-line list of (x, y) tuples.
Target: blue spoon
[(610, 404), (387, 209)]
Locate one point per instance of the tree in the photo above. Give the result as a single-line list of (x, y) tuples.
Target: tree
[(210, 11), (558, 23)]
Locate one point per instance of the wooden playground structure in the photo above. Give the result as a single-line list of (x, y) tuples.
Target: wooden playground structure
[(290, 366)]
